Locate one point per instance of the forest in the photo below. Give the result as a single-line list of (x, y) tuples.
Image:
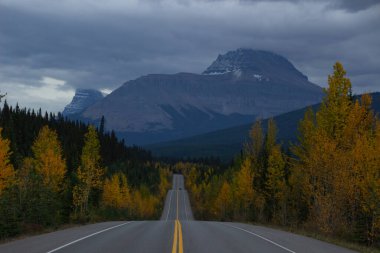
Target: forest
[(327, 182), (55, 171)]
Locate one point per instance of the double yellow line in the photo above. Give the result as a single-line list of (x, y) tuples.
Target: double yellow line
[(177, 240)]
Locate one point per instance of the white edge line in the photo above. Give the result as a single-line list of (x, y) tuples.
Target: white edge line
[(170, 202), (266, 239), (80, 239)]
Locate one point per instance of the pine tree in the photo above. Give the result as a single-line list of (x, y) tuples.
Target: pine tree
[(102, 125)]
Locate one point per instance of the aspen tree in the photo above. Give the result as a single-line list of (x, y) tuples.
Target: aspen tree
[(7, 173), (90, 173), (48, 160)]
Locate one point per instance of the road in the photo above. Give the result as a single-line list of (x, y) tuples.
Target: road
[(176, 232)]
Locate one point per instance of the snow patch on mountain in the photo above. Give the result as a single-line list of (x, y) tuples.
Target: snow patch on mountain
[(82, 99)]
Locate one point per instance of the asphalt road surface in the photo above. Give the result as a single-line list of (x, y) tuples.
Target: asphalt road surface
[(177, 231)]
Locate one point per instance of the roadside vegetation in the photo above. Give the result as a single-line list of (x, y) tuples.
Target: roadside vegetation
[(328, 183), (54, 171)]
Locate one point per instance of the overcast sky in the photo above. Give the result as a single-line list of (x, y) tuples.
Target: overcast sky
[(50, 48)]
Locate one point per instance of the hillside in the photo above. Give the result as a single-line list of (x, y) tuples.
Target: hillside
[(228, 142)]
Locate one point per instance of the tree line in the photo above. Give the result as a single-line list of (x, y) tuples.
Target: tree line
[(55, 171), (327, 182)]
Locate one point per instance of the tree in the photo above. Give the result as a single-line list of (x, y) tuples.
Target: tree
[(102, 125), (2, 95), (116, 192), (90, 173), (244, 193), (48, 160), (164, 185), (276, 185), (334, 157), (333, 114), (7, 173), (223, 202)]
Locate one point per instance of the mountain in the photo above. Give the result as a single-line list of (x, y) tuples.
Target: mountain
[(236, 88), (226, 143), (82, 99)]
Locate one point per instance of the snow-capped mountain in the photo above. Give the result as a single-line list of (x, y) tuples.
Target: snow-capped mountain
[(236, 88), (82, 99)]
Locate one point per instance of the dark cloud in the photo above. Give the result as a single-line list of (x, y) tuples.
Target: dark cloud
[(355, 5), (93, 44)]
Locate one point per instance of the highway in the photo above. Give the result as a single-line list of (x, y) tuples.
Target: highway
[(175, 232)]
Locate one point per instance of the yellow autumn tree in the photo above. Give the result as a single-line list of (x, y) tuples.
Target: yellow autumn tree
[(243, 190), (90, 172), (164, 185), (48, 160), (276, 186), (7, 173), (334, 156), (116, 192), (223, 202)]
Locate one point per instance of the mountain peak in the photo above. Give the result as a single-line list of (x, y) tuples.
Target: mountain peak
[(259, 62), (82, 99)]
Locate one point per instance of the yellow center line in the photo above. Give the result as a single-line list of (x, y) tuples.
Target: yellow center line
[(174, 249), (177, 240), (180, 244)]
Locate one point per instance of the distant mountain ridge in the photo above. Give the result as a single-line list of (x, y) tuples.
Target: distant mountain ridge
[(236, 88), (227, 143), (82, 99)]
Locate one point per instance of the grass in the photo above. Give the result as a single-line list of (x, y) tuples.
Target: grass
[(41, 231)]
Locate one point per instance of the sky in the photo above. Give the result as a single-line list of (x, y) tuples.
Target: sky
[(50, 48)]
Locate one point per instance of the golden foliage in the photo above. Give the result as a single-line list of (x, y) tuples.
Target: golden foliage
[(224, 202), (48, 160), (244, 193), (7, 173), (90, 173), (116, 192), (338, 156)]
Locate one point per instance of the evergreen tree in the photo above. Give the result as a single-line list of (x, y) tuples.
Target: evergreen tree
[(102, 125)]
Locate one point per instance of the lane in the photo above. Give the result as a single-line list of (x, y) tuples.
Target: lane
[(221, 237), (49, 241), (184, 208), (152, 236), (176, 232)]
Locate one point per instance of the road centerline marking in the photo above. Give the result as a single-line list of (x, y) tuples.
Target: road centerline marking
[(180, 242), (177, 238), (88, 236), (174, 248), (262, 237)]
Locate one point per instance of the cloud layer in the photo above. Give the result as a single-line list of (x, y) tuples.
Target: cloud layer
[(101, 44)]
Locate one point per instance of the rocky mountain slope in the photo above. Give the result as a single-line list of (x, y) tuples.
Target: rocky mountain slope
[(82, 99), (235, 89)]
